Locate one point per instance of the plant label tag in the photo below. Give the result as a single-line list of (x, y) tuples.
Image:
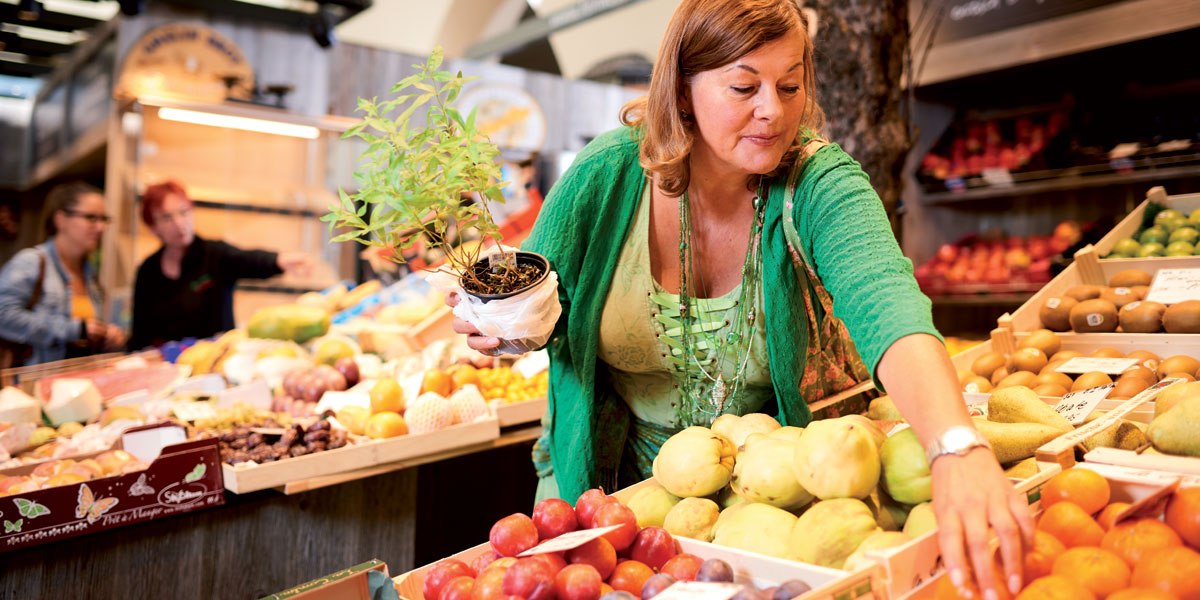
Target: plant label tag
[(1088, 364), (1076, 406), (569, 541), (1172, 286), (698, 590)]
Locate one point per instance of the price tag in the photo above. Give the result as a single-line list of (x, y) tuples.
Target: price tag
[(1172, 286), (976, 403), (1077, 406), (255, 394), (194, 411), (569, 541), (997, 176), (1087, 364), (697, 590)]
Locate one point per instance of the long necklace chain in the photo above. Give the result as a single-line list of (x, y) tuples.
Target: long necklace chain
[(742, 327)]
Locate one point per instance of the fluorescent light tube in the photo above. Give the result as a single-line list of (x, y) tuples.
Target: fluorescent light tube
[(244, 123)]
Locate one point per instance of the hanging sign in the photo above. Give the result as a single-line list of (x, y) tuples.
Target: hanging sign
[(185, 60)]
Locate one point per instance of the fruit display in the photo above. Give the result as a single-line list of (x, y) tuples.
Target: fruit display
[(73, 438), (246, 435), (1001, 263), (54, 473), (1119, 307), (1167, 232), (1013, 144), (294, 322)]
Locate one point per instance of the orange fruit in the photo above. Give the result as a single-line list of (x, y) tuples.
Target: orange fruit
[(385, 425), (354, 418), (1071, 525), (1172, 570), (386, 396), (630, 576), (1131, 540), (438, 382), (1088, 489), (1100, 571), (946, 590), (1183, 515), (1055, 587), (1109, 514), (463, 375), (1141, 594), (1039, 560)]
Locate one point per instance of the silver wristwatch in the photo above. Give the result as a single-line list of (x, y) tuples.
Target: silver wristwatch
[(957, 440)]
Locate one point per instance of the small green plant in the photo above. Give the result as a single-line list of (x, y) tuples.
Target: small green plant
[(415, 181)]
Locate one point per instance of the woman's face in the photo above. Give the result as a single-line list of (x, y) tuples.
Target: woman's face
[(173, 224), (82, 225), (747, 112)]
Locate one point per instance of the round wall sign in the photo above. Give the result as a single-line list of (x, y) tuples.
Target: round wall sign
[(186, 60), (507, 114)]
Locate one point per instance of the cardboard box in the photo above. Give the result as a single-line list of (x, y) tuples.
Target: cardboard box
[(353, 583), (182, 477)]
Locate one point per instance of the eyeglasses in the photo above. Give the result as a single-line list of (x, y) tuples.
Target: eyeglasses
[(90, 217)]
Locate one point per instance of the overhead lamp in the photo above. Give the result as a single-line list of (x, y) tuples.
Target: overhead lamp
[(196, 117), (29, 10), (320, 26)]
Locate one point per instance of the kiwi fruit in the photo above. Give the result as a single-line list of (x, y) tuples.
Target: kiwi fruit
[(1043, 339), (1129, 278), (1180, 375), (1107, 352), (1143, 316), (1180, 363), (964, 375), (1139, 372), (998, 375), (1064, 355), (1141, 290), (1090, 380), (1023, 378), (1052, 367), (1120, 296), (987, 364), (1055, 313), (1094, 316), (977, 385), (1055, 378), (1027, 359), (1183, 317), (1129, 386), (1051, 389), (1084, 292)]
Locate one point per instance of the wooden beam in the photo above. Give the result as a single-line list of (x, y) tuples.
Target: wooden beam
[(48, 19)]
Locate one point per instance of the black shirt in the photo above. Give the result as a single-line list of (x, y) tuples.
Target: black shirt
[(198, 304)]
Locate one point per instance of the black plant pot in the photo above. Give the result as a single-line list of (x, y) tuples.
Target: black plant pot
[(523, 258)]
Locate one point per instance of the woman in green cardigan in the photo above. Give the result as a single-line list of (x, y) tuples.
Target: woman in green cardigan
[(694, 248)]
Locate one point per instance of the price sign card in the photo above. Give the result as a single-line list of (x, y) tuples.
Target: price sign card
[(569, 541), (1076, 407), (1087, 364), (1172, 286), (696, 590), (976, 402)]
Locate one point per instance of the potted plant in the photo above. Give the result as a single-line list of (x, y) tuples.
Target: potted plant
[(417, 180)]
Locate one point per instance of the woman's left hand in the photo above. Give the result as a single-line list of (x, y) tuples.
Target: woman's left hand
[(971, 494), (295, 263)]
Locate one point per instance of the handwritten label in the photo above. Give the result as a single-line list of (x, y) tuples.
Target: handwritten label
[(1172, 286), (1076, 406), (255, 394), (1062, 444), (697, 590), (194, 411), (569, 541), (1088, 364)]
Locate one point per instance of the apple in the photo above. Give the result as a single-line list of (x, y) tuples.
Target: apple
[(489, 585), (578, 582), (588, 503), (459, 588), (682, 566), (530, 578), (513, 535), (599, 553), (947, 253), (443, 572), (615, 513), (483, 561), (653, 546), (554, 560), (656, 585), (553, 517)]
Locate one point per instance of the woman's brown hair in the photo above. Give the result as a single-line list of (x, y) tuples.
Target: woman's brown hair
[(704, 35)]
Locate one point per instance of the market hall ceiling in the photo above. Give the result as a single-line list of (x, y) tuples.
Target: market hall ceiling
[(37, 35)]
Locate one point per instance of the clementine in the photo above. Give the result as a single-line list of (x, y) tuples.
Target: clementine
[(1088, 489), (630, 576), (1071, 525), (385, 425), (1131, 540), (1055, 587), (1139, 593), (946, 590), (1172, 570), (1039, 560), (463, 375), (386, 396), (438, 382), (1183, 515), (1109, 514), (1100, 571)]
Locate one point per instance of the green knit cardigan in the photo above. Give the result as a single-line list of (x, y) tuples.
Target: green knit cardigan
[(582, 227)]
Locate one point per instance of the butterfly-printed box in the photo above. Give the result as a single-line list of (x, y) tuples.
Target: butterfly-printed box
[(184, 477)]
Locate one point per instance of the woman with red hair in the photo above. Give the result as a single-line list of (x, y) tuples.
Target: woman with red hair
[(186, 288)]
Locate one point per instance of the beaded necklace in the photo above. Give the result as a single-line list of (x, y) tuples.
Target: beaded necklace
[(741, 330)]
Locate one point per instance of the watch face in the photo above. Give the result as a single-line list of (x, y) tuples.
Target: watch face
[(956, 439)]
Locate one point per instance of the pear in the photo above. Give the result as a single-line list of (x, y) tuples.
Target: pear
[(1019, 404), (1177, 431), (787, 433), (883, 409), (837, 458), (738, 428), (1015, 441), (828, 532), (889, 513), (693, 518), (695, 462), (651, 505), (1168, 398), (726, 515), (871, 428), (758, 528), (906, 474), (921, 520), (727, 497), (1022, 469), (1125, 435), (878, 541), (763, 473)]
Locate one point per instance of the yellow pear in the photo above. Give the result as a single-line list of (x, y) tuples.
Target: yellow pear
[(651, 505), (758, 528), (837, 458), (692, 518), (695, 462), (829, 531), (738, 428), (763, 473)]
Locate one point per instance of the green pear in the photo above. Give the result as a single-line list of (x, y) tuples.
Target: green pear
[(829, 531), (758, 528), (1015, 441), (1177, 431), (763, 473), (1170, 397), (883, 409), (889, 513), (906, 475), (727, 497), (652, 504), (921, 520), (1019, 404), (878, 541), (738, 428), (837, 458), (695, 462), (693, 518)]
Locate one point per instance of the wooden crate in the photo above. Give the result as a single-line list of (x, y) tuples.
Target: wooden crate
[(1128, 227), (517, 413)]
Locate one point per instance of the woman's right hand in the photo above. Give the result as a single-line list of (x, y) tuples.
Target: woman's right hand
[(475, 340), (96, 332)]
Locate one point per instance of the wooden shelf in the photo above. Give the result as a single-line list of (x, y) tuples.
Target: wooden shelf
[(1066, 182), (1016, 299)]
